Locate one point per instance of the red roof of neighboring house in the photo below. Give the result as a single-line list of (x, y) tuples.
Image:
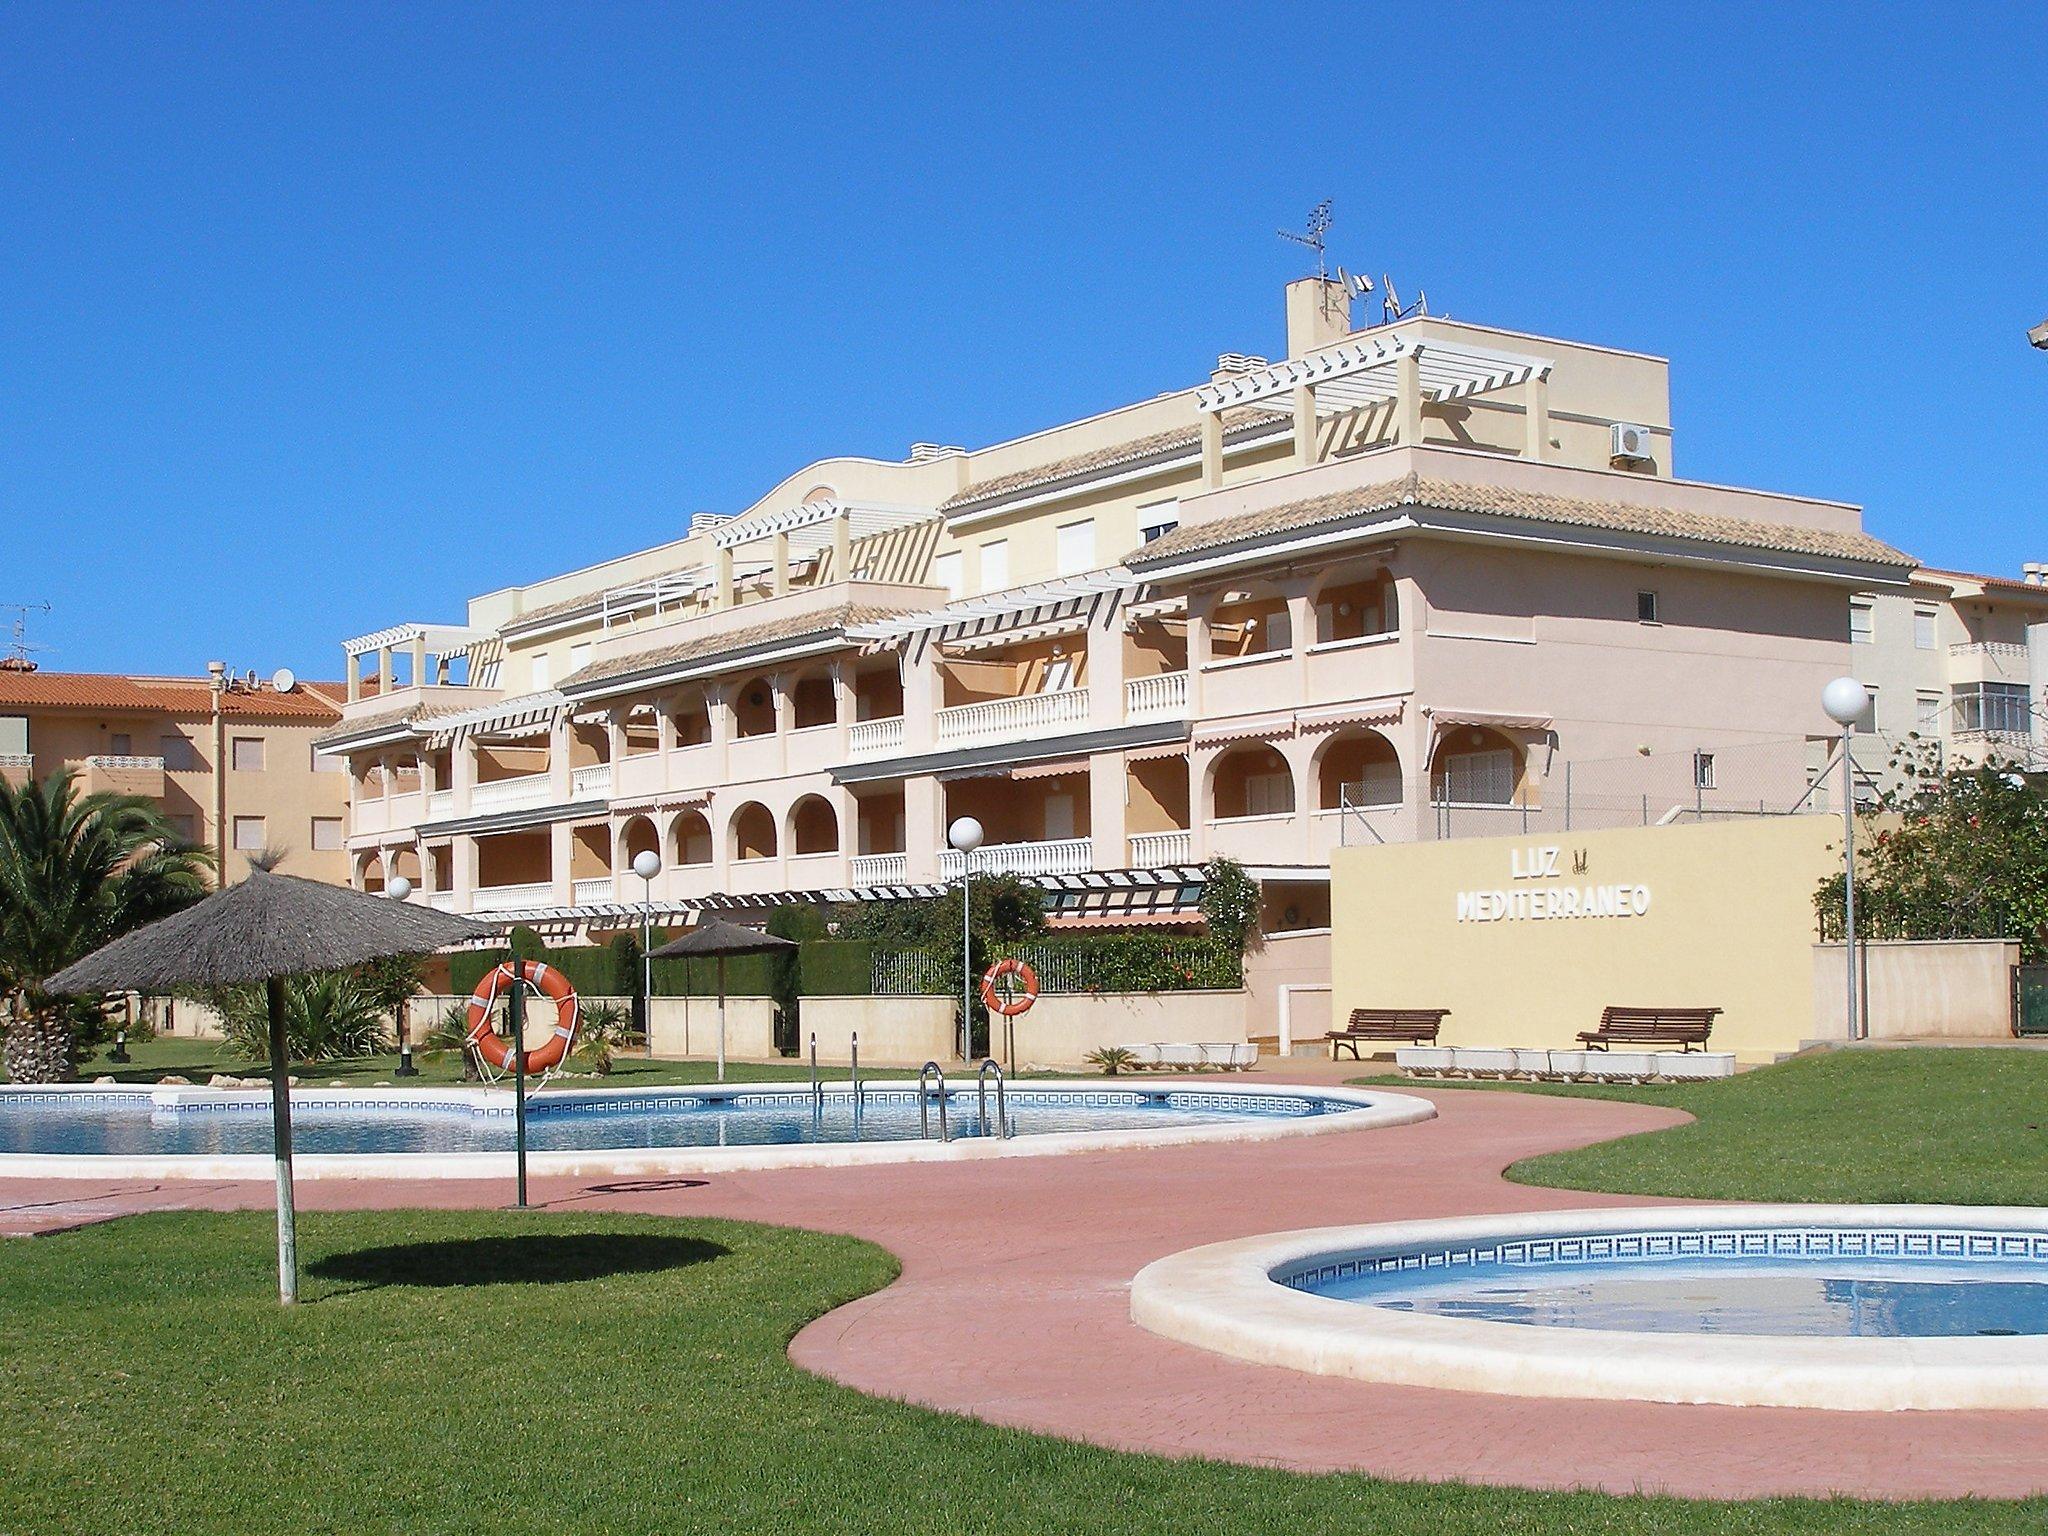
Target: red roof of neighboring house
[(161, 696)]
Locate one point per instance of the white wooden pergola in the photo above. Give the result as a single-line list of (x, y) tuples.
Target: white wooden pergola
[(1369, 370), (435, 642), (799, 536)]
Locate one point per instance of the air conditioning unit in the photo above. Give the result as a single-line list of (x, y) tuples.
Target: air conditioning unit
[(1629, 443)]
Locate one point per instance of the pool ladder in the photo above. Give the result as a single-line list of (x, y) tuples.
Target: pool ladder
[(1003, 1128), (925, 1074)]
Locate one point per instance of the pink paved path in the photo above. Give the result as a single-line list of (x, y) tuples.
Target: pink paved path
[(1012, 1306)]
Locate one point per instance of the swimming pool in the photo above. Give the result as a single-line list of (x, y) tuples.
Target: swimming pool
[(1851, 1307), (169, 1131)]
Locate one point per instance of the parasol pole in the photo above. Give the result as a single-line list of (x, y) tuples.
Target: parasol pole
[(721, 1018), (281, 1137), (517, 1007)]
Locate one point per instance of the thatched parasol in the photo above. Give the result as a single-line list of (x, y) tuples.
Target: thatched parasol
[(265, 929), (718, 938)]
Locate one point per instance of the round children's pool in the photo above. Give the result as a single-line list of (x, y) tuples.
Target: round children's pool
[(1806, 1306), (432, 1132)]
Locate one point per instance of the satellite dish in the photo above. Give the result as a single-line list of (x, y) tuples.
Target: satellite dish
[(284, 680)]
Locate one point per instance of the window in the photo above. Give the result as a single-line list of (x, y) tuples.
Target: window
[(1924, 620), (1927, 710), (1158, 520), (541, 674), (248, 755), (177, 753), (1868, 720), (1859, 623), (1076, 548), (248, 834), (995, 565), (1994, 708), (1378, 784), (579, 656), (1646, 608), (1268, 794), (946, 572), (1703, 770), (1477, 778), (325, 762), (121, 744), (184, 828), (326, 834), (13, 735)]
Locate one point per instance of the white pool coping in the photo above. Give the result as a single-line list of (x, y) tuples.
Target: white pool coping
[(1375, 1109), (1222, 1297)]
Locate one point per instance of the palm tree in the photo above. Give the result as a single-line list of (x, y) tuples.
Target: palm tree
[(76, 872)]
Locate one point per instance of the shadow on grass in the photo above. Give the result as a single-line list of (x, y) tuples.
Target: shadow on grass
[(540, 1258)]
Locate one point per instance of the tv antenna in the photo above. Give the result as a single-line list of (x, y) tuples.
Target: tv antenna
[(1318, 226), (18, 648)]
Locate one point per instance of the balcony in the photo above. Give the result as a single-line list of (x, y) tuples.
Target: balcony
[(440, 803), (17, 768), (125, 776), (876, 738), (1161, 697), (591, 782), (441, 901), (518, 794), (2009, 649), (997, 720), (1158, 850), (881, 869), (512, 898), (1063, 856), (585, 892)]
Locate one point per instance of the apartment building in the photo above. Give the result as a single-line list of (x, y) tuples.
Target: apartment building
[(1957, 666), (1402, 583), (229, 759)]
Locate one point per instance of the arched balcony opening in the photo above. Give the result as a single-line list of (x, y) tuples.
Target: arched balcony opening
[(1357, 609), (1476, 765), (1357, 769), (689, 839), (753, 709), (1251, 780), (639, 835), (813, 826), (1250, 621), (813, 702), (753, 832), (691, 713)]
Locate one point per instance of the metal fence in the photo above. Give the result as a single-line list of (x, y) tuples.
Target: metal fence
[(911, 973), (1769, 778), (2030, 999)]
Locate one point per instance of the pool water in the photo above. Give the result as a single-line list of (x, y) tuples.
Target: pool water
[(114, 1123), (1827, 1296)]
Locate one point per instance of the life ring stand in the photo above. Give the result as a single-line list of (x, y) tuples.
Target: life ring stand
[(1012, 1001), (544, 979)]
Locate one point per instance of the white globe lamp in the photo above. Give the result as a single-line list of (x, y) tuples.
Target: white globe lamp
[(399, 888), (647, 864), (1845, 700), (964, 834)]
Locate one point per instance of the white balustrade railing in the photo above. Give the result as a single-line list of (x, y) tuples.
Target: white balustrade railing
[(441, 803), (155, 764), (1163, 696), (2007, 648), (512, 898), (594, 780), (875, 738), (441, 901), (1063, 856), (881, 869), (1034, 714), (586, 891), (17, 759), (528, 789), (1156, 850)]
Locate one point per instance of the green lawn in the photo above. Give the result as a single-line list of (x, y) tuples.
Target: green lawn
[(150, 1383), (1965, 1127)]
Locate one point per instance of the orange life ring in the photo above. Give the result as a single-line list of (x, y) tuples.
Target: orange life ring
[(549, 982), (1020, 997)]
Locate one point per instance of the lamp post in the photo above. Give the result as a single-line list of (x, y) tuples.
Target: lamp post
[(400, 889), (647, 864), (1845, 701), (965, 836)]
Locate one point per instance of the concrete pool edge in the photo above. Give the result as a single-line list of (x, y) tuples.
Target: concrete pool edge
[(1375, 1109), (1221, 1297)]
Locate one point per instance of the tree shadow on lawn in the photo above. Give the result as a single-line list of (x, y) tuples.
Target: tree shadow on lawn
[(539, 1258)]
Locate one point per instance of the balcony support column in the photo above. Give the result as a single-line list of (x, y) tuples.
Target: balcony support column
[(722, 585), (1108, 797), (1212, 450), (666, 737), (561, 734), (1198, 649), (922, 693), (842, 546), (1103, 657), (462, 855), (845, 705), (355, 676), (1408, 399), (1536, 418), (780, 547), (1304, 426), (718, 705), (924, 827), (419, 661), (562, 864)]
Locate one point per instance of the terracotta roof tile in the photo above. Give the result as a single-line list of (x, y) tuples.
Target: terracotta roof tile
[(823, 622), (153, 695), (1535, 506), (194, 696), (72, 690), (363, 725), (1157, 445)]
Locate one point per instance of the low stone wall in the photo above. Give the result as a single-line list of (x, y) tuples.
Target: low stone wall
[(894, 1031), (1060, 1030), (1919, 989), (677, 1026)]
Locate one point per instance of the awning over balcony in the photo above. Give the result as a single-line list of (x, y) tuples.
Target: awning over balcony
[(1333, 717), (528, 714), (1365, 370), (1446, 719), (1015, 614), (1244, 728)]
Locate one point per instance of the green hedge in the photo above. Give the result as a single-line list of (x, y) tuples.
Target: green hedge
[(837, 968), (1132, 962), (826, 967)]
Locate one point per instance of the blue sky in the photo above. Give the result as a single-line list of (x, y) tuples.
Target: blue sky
[(319, 318)]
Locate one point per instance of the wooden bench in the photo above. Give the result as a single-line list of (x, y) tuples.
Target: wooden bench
[(1659, 1028), (1416, 1026)]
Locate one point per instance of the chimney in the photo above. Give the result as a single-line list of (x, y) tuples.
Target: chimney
[(1318, 313), (1231, 365), (927, 453), (2035, 574)]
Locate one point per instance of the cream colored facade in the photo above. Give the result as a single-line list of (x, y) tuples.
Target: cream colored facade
[(233, 769), (1427, 579)]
